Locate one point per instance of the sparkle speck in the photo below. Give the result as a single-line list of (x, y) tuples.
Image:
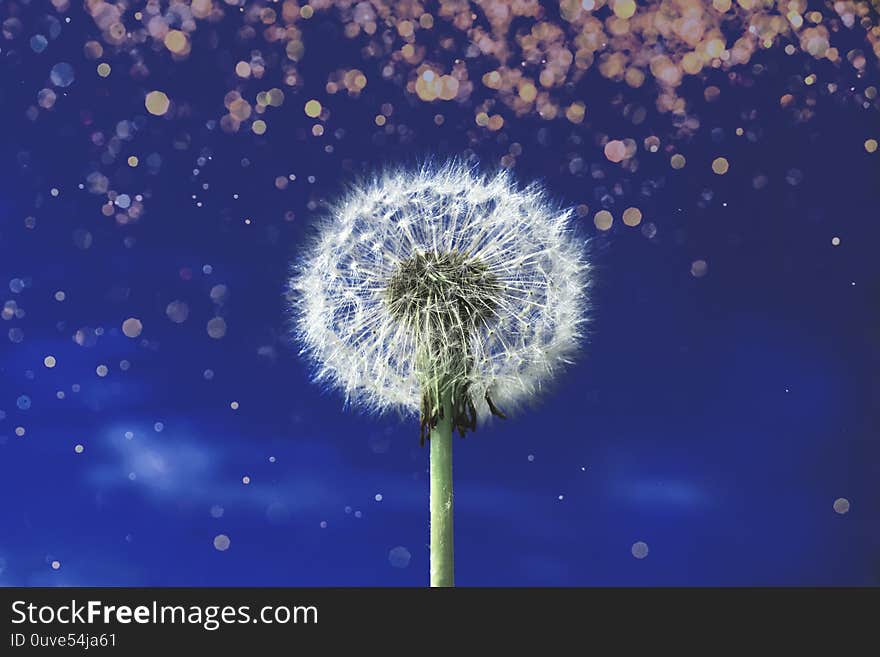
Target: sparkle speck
[(78, 449), (234, 406), (56, 565), (245, 480), (49, 361), (378, 497), (835, 241)]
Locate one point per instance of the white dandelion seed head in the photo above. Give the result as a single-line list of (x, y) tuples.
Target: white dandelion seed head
[(441, 279)]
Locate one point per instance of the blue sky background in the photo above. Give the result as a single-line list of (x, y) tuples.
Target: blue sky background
[(715, 418)]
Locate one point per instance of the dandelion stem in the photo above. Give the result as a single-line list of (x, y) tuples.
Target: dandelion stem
[(441, 494)]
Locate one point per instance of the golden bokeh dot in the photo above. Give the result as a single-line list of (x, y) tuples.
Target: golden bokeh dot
[(380, 119), (720, 165), (133, 161), (132, 327), (528, 92), (176, 41), (632, 216), (104, 69), (575, 112), (234, 405), (624, 8), (313, 109), (871, 145), (49, 361), (677, 161), (259, 127), (603, 220), (157, 103)]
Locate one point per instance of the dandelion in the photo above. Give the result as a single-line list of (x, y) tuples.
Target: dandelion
[(445, 294)]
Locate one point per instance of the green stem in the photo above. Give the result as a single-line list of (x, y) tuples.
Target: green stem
[(441, 496)]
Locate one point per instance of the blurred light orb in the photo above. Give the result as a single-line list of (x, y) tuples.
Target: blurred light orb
[(132, 327), (632, 216), (603, 220), (62, 74), (177, 311), (313, 109), (615, 150), (216, 327), (221, 542), (699, 268), (157, 103), (841, 505), (399, 557), (639, 549)]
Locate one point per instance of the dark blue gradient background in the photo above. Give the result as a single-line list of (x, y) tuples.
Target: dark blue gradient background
[(716, 419)]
